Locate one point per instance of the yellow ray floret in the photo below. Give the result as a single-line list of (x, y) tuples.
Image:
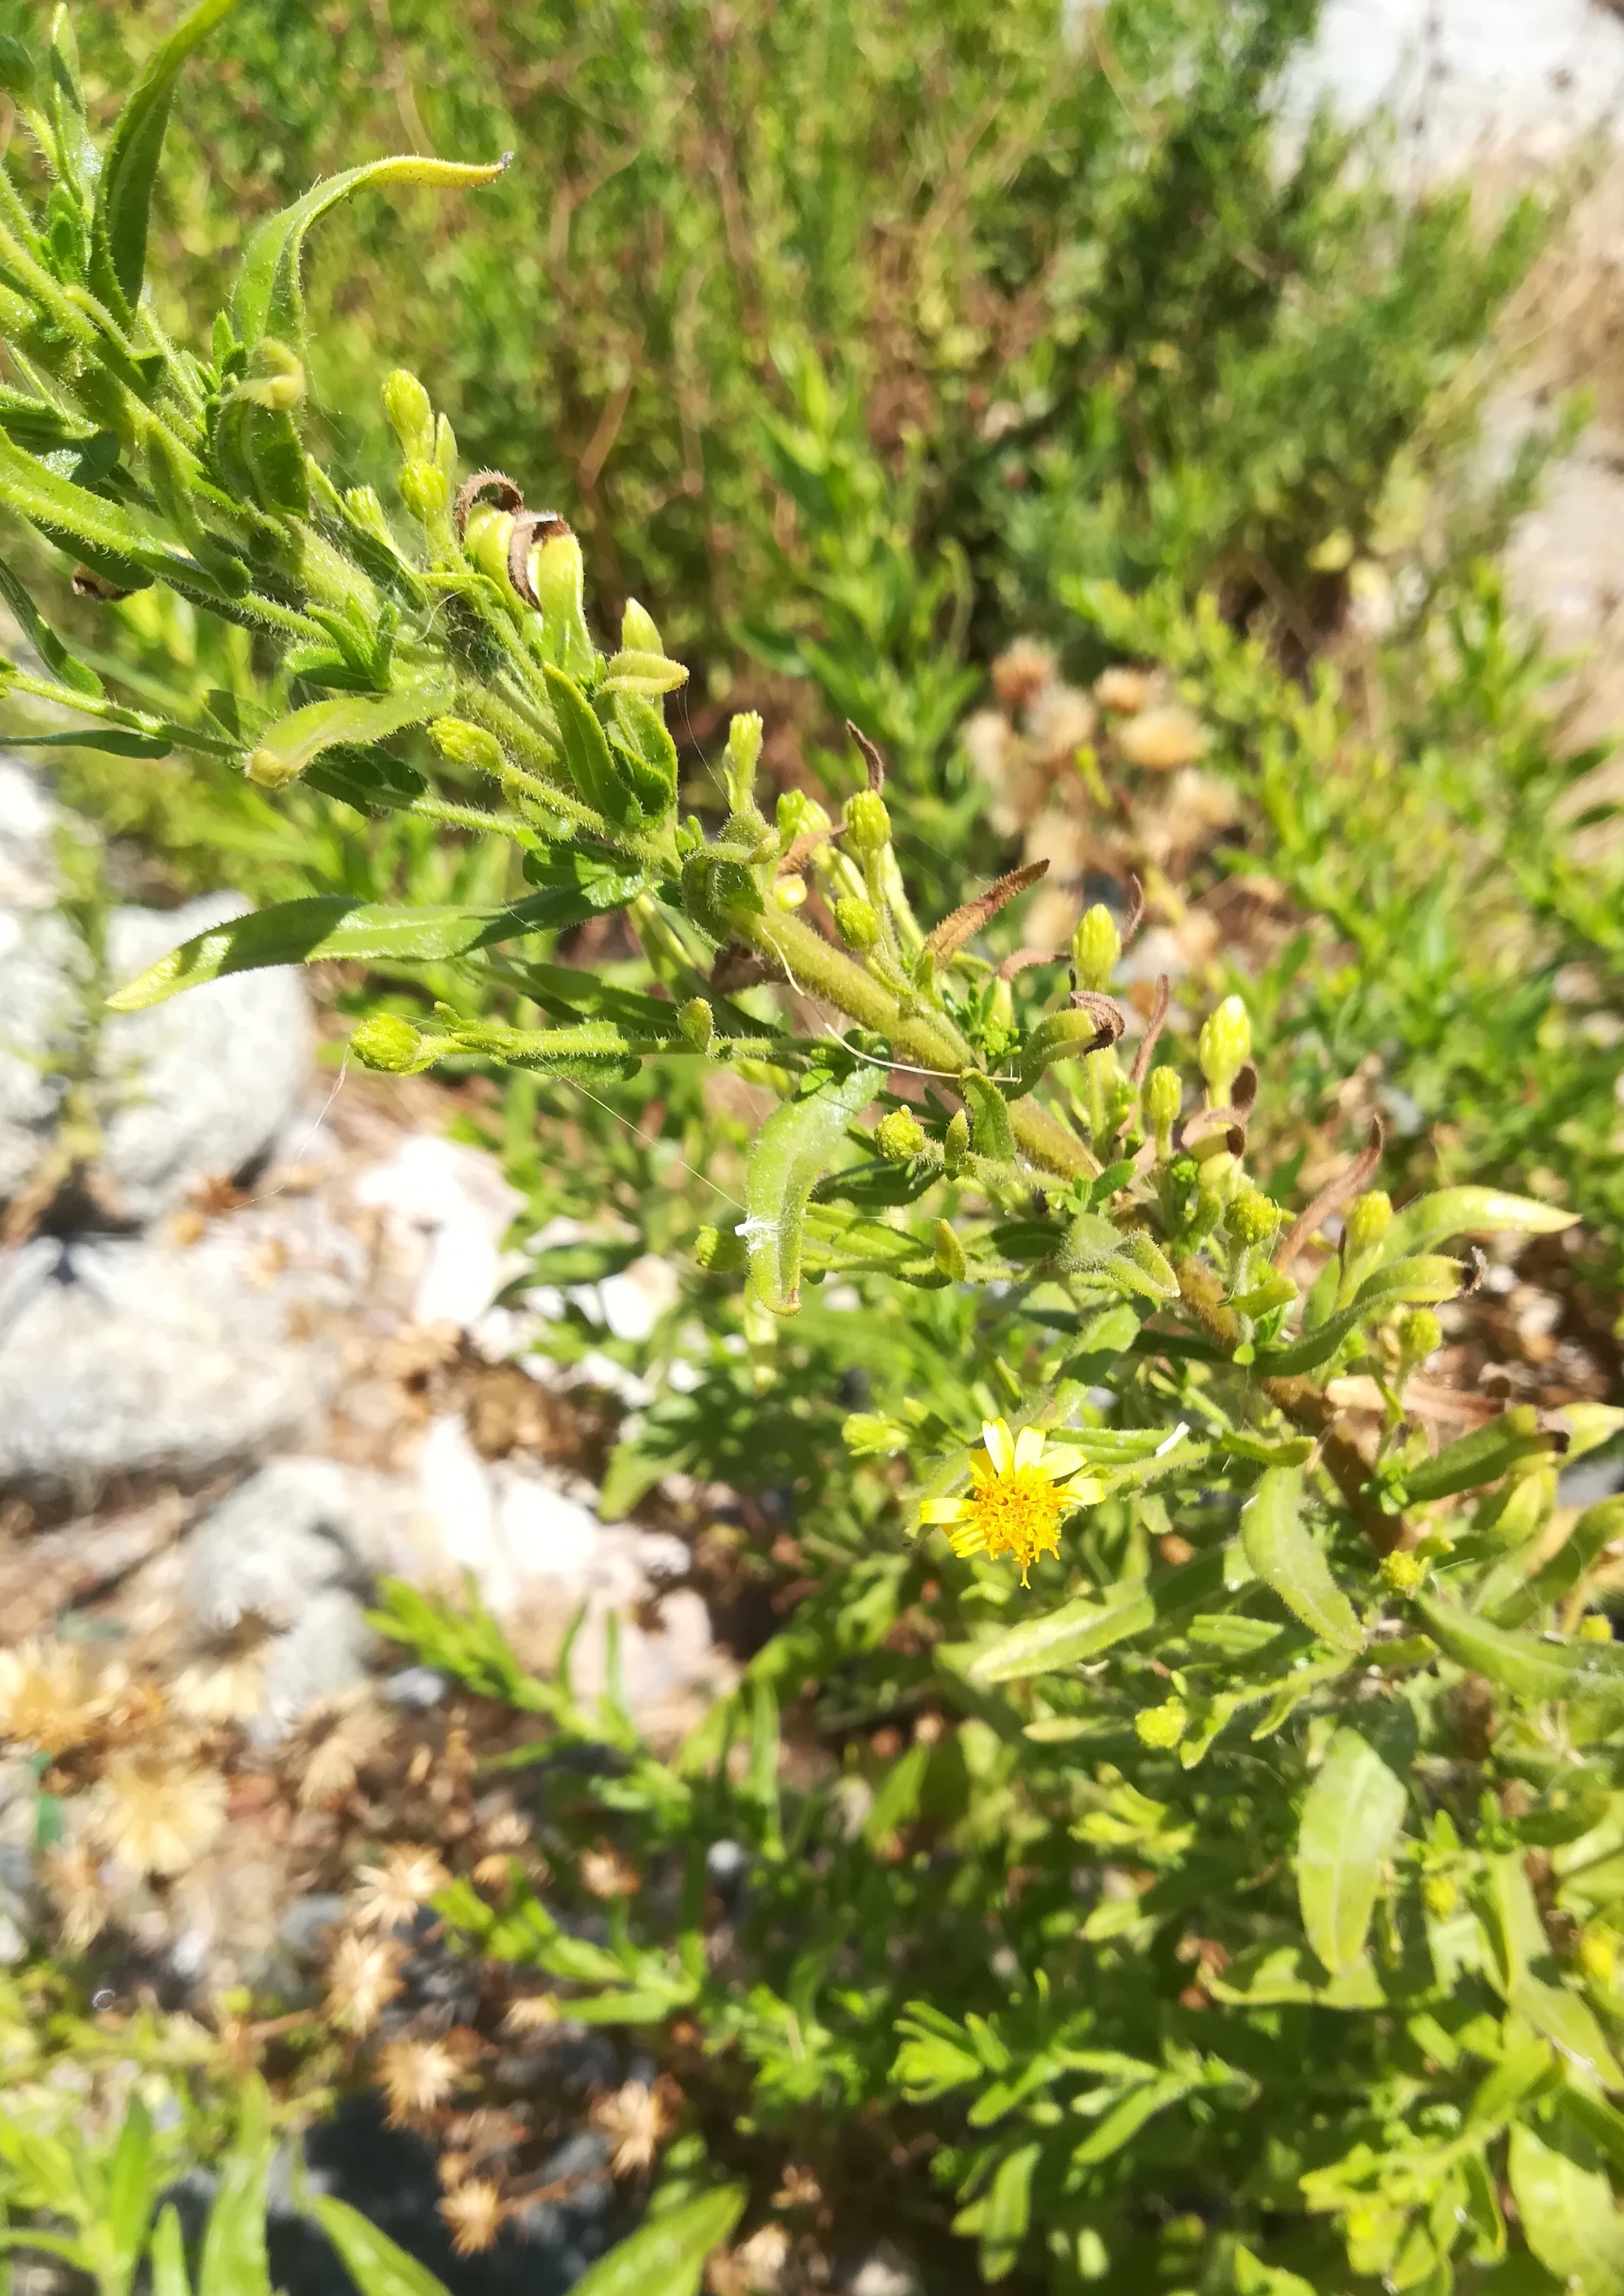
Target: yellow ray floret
[(1021, 1489)]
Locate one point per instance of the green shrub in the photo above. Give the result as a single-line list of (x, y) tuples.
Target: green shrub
[(1180, 1813)]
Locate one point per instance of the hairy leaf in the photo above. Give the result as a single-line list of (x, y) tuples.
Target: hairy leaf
[(794, 1148), (1350, 1818), (1469, 1211), (352, 721), (1570, 2217), (666, 2255), (1284, 1555), (1065, 1637)]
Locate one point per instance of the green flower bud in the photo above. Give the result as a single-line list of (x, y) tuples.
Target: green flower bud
[(858, 922), (423, 491), (867, 1436), (1251, 1217), (386, 1041), (956, 1146), (1441, 1895), (868, 824), (744, 733), (366, 510), (485, 539), (411, 416), (697, 1022), (948, 1253), (898, 1136), (462, 744), (1096, 946), (789, 817), (1403, 1572), (1164, 1096), (276, 377), (1161, 1726), (705, 1246), (638, 634), (1225, 1047), (1369, 1218), (790, 892), (1420, 1335)]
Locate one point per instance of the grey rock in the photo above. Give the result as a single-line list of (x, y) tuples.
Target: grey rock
[(297, 1528), (203, 1084), (305, 1926), (121, 1356), (885, 2271), (28, 824), (324, 1655), (416, 1686), (198, 1087)]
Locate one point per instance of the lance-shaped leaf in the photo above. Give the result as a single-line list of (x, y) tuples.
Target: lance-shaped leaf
[(1570, 2217), (1350, 1818), (44, 639), (1525, 1665), (354, 721), (794, 1148), (639, 736), (1596, 1528), (374, 2263), (363, 933), (1469, 1211), (989, 1126), (124, 191), (1415, 1283), (1283, 1554), (268, 299), (666, 2255), (1066, 1638), (112, 540), (1482, 1457), (951, 935), (598, 782)]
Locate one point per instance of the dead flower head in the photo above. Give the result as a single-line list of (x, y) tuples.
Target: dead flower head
[(474, 2213), (342, 1737), (158, 1813), (363, 1977), (637, 2119), (226, 1682), (530, 2012), (388, 1896), (48, 1698), (606, 1874), (418, 2076), (82, 1901)]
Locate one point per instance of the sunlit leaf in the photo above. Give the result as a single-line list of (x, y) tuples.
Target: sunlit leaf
[(1351, 1816)]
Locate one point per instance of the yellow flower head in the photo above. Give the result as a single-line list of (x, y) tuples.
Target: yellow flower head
[(1021, 1489)]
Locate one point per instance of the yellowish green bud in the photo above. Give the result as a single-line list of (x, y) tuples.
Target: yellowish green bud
[(948, 1253), (1420, 1335), (1441, 1895), (956, 1145), (386, 1041), (1369, 1218), (1096, 946), (365, 507), (1598, 1955), (485, 540), (1594, 1627), (867, 1436), (411, 416), (1403, 1572), (1225, 1047), (744, 735), (697, 1022), (868, 824), (424, 491), (1164, 1096), (790, 892), (706, 1244), (462, 744), (276, 377), (445, 448), (858, 922), (1251, 1217), (899, 1135), (1161, 1726), (638, 634)]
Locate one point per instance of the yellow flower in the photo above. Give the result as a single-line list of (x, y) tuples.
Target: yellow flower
[(1020, 1491)]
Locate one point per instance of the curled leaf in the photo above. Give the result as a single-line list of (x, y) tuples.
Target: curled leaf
[(354, 721)]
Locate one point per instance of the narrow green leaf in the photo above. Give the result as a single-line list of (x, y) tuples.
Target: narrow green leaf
[(130, 2190), (353, 720), (1571, 2027), (666, 2255), (124, 191), (370, 2257), (1568, 2216), (794, 1147), (1524, 1664), (1125, 2120), (108, 537), (334, 925), (1285, 1555), (1482, 1457), (44, 639), (234, 2262), (1350, 1818), (1066, 1638), (1413, 1283), (586, 750), (118, 742), (267, 299), (1469, 1211), (167, 2256)]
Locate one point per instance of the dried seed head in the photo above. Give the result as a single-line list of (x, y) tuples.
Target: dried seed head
[(158, 1813), (48, 1698), (531, 2012), (1124, 690), (637, 2119), (388, 1896), (1159, 741), (1020, 673), (415, 2077), (474, 2214), (606, 1874), (363, 1977)]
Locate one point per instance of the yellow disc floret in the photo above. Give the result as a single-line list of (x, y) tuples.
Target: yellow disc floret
[(1020, 1491)]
